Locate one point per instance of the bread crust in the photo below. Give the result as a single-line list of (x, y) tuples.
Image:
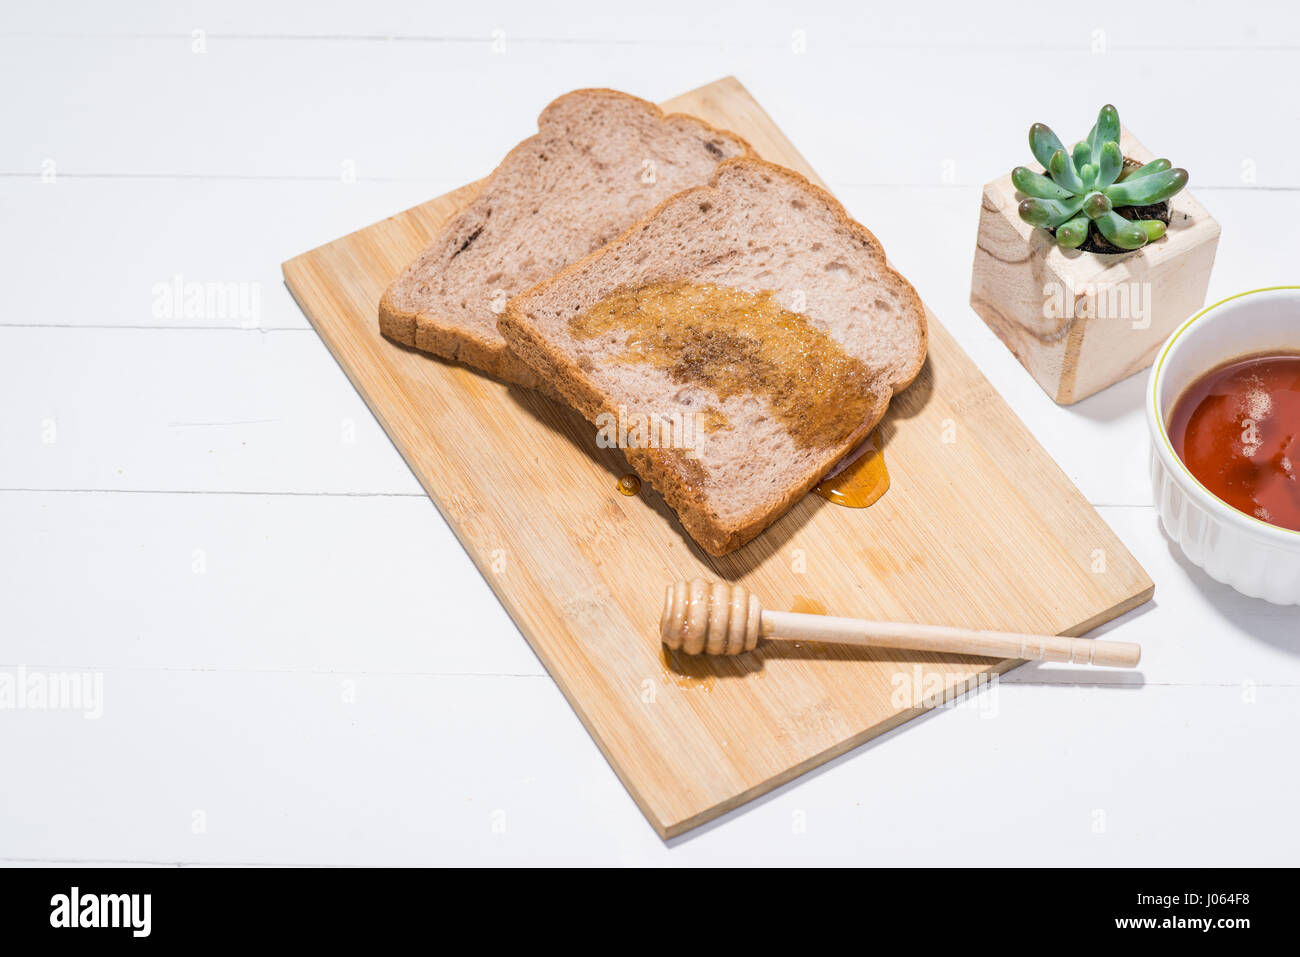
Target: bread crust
[(661, 467), (459, 344), (449, 339)]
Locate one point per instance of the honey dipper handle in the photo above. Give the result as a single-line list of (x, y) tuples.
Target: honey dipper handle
[(941, 638)]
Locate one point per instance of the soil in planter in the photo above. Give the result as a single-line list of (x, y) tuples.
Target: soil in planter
[(1097, 243)]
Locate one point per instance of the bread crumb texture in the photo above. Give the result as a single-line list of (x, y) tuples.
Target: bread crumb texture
[(599, 161)]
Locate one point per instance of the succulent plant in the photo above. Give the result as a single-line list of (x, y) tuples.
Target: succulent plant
[(1089, 184)]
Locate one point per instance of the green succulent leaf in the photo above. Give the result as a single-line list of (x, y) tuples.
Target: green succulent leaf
[(1036, 184), (1034, 211), (1110, 164), (1071, 234), (1155, 166), (1096, 205), (1122, 232), (1089, 183), (1062, 169), (1105, 130), (1145, 190), (1043, 143), (1049, 213), (1154, 228)]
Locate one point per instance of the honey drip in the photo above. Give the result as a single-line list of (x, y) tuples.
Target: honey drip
[(862, 483), (629, 484), (738, 343)]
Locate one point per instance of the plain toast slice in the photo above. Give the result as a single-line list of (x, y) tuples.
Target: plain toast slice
[(754, 307), (599, 161)]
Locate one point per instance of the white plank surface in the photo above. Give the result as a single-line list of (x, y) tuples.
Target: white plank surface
[(200, 509)]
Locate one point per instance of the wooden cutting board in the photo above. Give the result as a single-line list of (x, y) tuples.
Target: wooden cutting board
[(979, 528)]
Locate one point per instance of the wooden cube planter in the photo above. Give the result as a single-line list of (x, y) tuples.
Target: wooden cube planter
[(1080, 321)]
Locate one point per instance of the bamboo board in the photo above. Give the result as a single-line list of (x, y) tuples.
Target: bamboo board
[(980, 528)]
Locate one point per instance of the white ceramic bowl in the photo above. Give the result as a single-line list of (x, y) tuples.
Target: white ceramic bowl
[(1257, 559)]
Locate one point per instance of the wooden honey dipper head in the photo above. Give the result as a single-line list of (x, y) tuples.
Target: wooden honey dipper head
[(710, 617)]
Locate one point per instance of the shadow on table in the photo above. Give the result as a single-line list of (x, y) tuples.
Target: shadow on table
[(1275, 625), (1114, 401)]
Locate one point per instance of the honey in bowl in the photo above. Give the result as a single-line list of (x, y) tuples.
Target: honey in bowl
[(1237, 429)]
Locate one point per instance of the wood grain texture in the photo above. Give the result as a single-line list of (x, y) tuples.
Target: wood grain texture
[(1105, 316), (980, 528)]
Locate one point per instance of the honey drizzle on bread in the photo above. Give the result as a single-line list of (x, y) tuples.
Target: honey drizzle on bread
[(733, 343)]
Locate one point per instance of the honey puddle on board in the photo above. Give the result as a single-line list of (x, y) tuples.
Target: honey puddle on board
[(862, 483), (803, 605), (687, 671)]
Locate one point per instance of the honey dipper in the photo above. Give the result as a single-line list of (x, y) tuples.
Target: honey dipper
[(720, 619)]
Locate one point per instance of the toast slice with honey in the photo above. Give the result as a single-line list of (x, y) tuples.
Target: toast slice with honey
[(599, 161), (748, 333)]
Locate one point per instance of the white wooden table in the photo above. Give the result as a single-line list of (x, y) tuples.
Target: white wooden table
[(299, 663)]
